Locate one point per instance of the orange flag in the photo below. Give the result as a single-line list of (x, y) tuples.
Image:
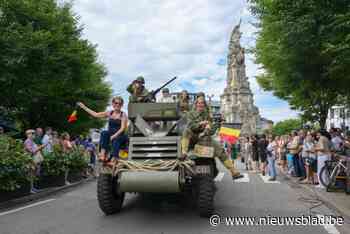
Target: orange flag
[(73, 117)]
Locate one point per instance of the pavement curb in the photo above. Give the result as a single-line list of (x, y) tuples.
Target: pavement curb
[(330, 204), (44, 193)]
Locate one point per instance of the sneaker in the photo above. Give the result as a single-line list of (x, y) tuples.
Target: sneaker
[(320, 186), (272, 179)]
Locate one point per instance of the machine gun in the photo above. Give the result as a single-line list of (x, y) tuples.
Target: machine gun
[(151, 97)]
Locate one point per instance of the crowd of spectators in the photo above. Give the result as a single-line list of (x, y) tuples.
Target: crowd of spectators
[(300, 154), (39, 143)]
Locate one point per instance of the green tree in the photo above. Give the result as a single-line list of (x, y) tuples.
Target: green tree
[(286, 126), (303, 47), (46, 66)]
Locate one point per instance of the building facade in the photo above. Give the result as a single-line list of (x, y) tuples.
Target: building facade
[(338, 117)]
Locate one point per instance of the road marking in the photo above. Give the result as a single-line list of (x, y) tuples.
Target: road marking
[(25, 207), (219, 177), (244, 179), (266, 180), (331, 229)]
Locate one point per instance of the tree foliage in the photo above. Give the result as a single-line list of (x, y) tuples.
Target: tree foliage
[(46, 66), (286, 126), (304, 49)]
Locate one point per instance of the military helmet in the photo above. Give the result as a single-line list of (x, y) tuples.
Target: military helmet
[(140, 79), (200, 94)]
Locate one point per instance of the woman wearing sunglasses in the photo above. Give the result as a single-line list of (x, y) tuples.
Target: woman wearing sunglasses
[(115, 135)]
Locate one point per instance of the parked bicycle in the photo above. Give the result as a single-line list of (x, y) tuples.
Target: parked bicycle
[(334, 169)]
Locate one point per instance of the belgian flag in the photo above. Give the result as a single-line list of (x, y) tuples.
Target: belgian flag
[(229, 134), (73, 117)]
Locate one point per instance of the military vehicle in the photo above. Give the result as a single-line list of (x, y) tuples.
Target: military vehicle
[(154, 165)]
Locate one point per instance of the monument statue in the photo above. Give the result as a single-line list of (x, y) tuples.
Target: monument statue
[(237, 102)]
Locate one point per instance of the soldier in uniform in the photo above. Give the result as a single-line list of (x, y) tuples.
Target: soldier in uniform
[(199, 125), (137, 90), (184, 102)]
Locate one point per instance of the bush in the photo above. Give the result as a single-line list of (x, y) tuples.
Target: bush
[(54, 164), (15, 164), (76, 160)]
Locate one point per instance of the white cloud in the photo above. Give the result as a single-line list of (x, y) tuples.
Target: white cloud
[(160, 39)]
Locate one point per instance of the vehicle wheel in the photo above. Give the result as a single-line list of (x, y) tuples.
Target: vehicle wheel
[(325, 175), (206, 194), (109, 200)]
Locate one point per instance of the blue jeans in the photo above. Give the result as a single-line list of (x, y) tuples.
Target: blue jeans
[(271, 166), (105, 143), (299, 166)]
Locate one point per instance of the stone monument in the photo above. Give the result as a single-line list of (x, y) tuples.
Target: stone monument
[(237, 103)]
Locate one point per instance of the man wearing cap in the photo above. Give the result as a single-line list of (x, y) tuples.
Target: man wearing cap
[(166, 97), (137, 90)]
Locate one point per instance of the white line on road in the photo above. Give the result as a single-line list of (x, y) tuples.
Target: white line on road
[(245, 179), (219, 177), (331, 229), (266, 180), (25, 207)]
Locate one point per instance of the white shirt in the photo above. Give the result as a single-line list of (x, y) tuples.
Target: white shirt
[(47, 140), (272, 148), (337, 141)]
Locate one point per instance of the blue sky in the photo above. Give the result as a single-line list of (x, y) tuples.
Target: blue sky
[(160, 39)]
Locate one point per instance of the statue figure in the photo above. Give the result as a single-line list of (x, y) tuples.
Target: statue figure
[(240, 56)]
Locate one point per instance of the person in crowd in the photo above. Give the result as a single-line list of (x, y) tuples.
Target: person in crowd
[(248, 153), (271, 158), (308, 155), (323, 151), (262, 144), (294, 149), (137, 90), (91, 150), (282, 146), (199, 126), (255, 153), (67, 145), (184, 101), (55, 139), (166, 97), (337, 141), (35, 151), (290, 156), (233, 151), (38, 136), (299, 159), (47, 140), (2, 131), (117, 124)]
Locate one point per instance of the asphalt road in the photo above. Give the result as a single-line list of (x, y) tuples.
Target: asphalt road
[(77, 211)]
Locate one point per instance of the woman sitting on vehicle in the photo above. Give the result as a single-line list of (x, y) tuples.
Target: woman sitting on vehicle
[(117, 123)]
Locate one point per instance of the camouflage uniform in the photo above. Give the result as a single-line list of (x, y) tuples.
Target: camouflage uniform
[(191, 136), (137, 97), (184, 105)]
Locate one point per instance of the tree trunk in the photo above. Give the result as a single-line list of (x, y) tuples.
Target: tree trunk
[(323, 118)]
